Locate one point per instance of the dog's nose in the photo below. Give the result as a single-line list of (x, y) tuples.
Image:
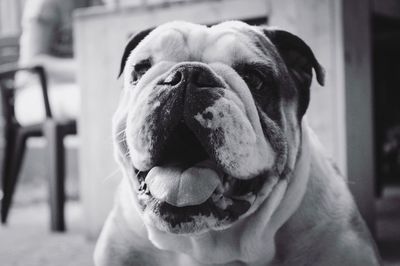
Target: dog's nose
[(195, 75), (174, 78), (201, 77)]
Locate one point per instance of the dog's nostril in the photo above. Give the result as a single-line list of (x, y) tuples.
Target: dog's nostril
[(173, 79)]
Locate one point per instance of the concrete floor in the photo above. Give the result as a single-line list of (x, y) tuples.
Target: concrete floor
[(27, 241)]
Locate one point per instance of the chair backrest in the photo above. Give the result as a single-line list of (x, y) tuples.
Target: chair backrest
[(9, 49), (9, 54)]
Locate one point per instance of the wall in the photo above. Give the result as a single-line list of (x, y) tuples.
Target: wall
[(10, 16)]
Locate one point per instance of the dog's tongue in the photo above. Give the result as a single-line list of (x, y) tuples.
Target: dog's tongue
[(182, 187)]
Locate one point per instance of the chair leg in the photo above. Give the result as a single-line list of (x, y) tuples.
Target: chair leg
[(15, 150), (55, 152), (9, 137)]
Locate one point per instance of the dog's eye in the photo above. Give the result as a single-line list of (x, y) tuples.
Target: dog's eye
[(254, 80), (140, 69)]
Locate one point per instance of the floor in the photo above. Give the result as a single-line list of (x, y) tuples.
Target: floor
[(26, 240)]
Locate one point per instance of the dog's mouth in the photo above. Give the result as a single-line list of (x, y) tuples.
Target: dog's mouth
[(187, 192)]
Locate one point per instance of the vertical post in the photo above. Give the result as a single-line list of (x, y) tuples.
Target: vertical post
[(55, 152), (359, 104)]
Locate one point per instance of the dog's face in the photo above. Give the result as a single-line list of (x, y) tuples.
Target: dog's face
[(209, 120)]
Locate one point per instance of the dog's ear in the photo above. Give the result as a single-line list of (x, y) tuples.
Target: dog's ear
[(300, 61), (131, 44)]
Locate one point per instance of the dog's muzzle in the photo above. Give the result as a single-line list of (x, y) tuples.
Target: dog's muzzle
[(194, 149)]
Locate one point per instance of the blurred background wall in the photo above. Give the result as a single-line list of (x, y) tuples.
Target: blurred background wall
[(10, 16)]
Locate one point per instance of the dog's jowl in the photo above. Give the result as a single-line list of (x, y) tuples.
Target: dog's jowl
[(219, 165)]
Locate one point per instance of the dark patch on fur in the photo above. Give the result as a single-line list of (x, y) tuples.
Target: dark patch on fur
[(218, 137), (208, 115), (276, 137), (300, 61), (269, 95), (131, 44), (160, 124), (295, 52)]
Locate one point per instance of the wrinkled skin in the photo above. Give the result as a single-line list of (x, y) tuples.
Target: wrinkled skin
[(219, 166)]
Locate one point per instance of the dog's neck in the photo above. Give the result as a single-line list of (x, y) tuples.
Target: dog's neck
[(250, 240)]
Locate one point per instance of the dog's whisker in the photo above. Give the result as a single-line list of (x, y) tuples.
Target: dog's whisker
[(111, 175), (138, 173), (121, 140), (127, 154), (120, 132)]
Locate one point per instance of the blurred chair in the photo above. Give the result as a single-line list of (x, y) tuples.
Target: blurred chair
[(16, 134)]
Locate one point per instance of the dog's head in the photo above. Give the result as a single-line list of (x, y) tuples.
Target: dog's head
[(209, 120)]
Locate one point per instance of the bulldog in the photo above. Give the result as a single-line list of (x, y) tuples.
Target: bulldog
[(219, 166)]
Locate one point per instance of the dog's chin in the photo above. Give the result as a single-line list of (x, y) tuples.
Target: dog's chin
[(231, 200)]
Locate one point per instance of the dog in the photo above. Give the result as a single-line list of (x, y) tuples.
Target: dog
[(219, 165)]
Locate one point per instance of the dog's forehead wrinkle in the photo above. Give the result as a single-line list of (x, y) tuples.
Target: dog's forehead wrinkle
[(234, 25), (226, 44)]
